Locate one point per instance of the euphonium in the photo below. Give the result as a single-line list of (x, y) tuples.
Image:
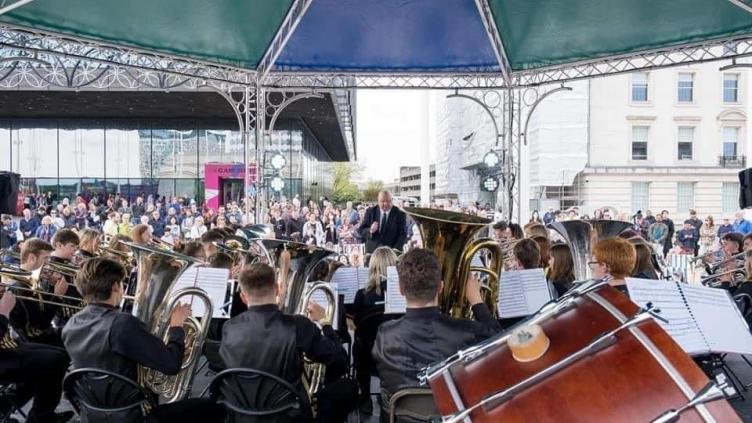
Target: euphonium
[(581, 236), (313, 374), (450, 236), (153, 303)]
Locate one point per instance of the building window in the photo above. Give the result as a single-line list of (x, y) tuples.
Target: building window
[(686, 86), (639, 143), (730, 197), (730, 88), (730, 139), (640, 195), (686, 138), (685, 196), (640, 87)]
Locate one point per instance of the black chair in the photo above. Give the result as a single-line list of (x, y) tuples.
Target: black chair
[(251, 395), (99, 395), (11, 401), (413, 405)]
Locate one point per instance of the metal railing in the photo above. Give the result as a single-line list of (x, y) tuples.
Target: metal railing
[(732, 161)]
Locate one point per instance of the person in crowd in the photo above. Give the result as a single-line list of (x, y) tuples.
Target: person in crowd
[(313, 233), (81, 215), (38, 370), (742, 225), (561, 265), (198, 228), (687, 238), (110, 226), (368, 314), (643, 268), (103, 337), (708, 232), (124, 225), (725, 227), (8, 229), (549, 216), (383, 225), (425, 335), (331, 231), (668, 241), (535, 217), (172, 231), (514, 231), (46, 230), (69, 219), (57, 221), (613, 259), (157, 224), (287, 338), (28, 224), (649, 218)]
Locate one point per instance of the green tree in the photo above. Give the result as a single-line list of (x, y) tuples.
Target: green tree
[(371, 191), (344, 189)]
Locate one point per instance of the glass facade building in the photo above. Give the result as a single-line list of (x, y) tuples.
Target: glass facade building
[(131, 157)]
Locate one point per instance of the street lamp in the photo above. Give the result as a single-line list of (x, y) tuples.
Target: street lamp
[(491, 159), (277, 184), (490, 183), (278, 161)]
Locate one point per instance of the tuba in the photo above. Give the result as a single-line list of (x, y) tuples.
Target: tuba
[(581, 235), (153, 302), (450, 236)]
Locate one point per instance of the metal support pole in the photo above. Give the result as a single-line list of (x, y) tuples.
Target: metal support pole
[(250, 112), (260, 158)]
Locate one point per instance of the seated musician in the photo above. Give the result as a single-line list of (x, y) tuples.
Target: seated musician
[(747, 242), (103, 337), (527, 255), (613, 259), (731, 245), (263, 338), (33, 319), (368, 314), (208, 240), (643, 268), (65, 242), (37, 369), (194, 249), (89, 244), (425, 335), (561, 264), (745, 290), (141, 234)]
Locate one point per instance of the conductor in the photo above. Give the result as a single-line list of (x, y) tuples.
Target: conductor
[(383, 225)]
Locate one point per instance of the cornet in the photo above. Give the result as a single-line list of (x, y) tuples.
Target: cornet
[(32, 291)]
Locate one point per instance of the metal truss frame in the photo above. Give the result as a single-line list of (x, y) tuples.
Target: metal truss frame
[(294, 15)]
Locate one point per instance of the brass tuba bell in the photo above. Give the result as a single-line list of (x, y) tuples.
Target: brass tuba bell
[(450, 236)]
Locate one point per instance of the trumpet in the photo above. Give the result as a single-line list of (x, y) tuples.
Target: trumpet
[(715, 266), (735, 272), (32, 292)]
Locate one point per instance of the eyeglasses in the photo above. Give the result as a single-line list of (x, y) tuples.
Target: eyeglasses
[(593, 263)]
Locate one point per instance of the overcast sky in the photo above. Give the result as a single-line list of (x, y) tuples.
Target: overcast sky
[(388, 127)]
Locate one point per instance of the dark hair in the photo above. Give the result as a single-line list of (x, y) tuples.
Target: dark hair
[(212, 235), (193, 248), (527, 252), (545, 249), (644, 259), (562, 271), (628, 233), (419, 274), (34, 246), (501, 226), (65, 236), (516, 231), (735, 237), (746, 237), (96, 277), (257, 280), (220, 260)]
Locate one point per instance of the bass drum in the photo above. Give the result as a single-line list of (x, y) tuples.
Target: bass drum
[(633, 376)]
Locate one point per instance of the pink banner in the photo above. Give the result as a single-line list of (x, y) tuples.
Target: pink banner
[(216, 173)]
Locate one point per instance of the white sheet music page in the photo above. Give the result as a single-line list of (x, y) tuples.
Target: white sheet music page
[(211, 280), (719, 319), (668, 298), (347, 281), (395, 303), (522, 292)]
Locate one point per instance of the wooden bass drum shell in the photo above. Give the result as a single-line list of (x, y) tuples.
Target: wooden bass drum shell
[(624, 382)]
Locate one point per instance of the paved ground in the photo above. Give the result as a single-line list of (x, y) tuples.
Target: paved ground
[(742, 406)]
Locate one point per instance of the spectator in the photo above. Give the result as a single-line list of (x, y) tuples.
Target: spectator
[(157, 223), (548, 217), (8, 229), (742, 225), (725, 227), (28, 224), (687, 238), (46, 230), (708, 233)]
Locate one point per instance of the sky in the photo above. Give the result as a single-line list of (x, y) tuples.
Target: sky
[(388, 127)]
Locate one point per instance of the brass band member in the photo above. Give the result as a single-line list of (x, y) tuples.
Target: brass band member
[(613, 259), (731, 245), (368, 314), (32, 319), (561, 264), (89, 243), (527, 255), (194, 249), (141, 234), (65, 242), (264, 338), (38, 369), (424, 335), (208, 240), (643, 268), (102, 337)]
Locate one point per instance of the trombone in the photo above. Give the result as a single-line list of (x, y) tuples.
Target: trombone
[(718, 264), (31, 292), (737, 271)]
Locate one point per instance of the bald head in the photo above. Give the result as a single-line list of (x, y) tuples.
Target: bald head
[(385, 200)]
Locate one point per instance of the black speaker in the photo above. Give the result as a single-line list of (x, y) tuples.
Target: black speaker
[(745, 188), (9, 192)]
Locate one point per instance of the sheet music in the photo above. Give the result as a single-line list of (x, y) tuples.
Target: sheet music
[(522, 292), (718, 319), (213, 281), (668, 298), (395, 303), (348, 280)]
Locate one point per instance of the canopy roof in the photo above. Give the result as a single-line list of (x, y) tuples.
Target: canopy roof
[(389, 36)]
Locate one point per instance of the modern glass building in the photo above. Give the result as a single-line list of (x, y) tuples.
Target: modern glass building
[(95, 143)]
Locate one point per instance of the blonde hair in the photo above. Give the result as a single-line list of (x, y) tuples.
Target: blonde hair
[(381, 258)]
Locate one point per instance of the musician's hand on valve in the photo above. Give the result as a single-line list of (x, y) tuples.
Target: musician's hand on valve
[(61, 287), (472, 289), (7, 302), (179, 314), (315, 312)]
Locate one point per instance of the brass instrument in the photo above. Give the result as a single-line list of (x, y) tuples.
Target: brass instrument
[(153, 303), (313, 374), (739, 271), (450, 236), (32, 292), (258, 231), (581, 236), (11, 254), (717, 265)]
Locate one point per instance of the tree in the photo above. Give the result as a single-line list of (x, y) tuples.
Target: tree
[(371, 191), (344, 189)]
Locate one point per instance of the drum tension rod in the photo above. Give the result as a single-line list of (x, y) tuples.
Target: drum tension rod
[(708, 393), (599, 343)]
